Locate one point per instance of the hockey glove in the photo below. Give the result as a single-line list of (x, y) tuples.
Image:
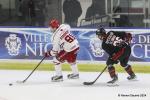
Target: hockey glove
[(47, 54)]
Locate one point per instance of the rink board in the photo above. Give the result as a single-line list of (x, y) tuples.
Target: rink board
[(30, 43)]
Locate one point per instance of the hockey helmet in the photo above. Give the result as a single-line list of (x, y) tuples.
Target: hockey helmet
[(100, 31), (54, 23)]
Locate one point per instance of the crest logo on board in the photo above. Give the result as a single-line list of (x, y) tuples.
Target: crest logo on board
[(13, 44)]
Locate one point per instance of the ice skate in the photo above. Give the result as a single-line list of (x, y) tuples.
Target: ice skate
[(73, 76), (113, 82), (57, 78), (132, 77)]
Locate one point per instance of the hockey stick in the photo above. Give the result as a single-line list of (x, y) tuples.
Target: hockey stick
[(32, 71), (90, 83)]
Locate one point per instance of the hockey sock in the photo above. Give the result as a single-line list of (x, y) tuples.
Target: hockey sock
[(129, 70), (111, 71), (58, 70), (74, 68)]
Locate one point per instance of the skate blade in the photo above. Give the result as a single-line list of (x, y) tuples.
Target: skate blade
[(133, 80), (73, 77), (60, 80), (112, 84)]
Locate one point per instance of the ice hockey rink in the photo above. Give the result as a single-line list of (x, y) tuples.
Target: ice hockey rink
[(40, 87)]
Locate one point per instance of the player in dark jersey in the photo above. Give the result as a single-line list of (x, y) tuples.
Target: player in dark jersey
[(117, 45)]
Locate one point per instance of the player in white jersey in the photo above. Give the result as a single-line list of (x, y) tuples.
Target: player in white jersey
[(64, 48)]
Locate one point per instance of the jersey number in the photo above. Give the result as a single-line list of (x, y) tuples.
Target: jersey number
[(69, 38)]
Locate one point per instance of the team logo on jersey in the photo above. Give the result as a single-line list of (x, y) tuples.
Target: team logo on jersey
[(13, 44)]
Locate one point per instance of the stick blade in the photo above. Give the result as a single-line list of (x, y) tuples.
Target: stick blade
[(20, 82), (88, 83)]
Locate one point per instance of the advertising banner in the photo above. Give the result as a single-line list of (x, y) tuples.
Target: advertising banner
[(31, 43)]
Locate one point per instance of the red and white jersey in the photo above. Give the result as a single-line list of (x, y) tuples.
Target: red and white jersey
[(62, 39)]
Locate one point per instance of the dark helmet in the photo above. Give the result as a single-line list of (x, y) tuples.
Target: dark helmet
[(100, 31)]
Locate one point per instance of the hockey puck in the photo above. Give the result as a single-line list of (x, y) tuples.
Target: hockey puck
[(10, 84)]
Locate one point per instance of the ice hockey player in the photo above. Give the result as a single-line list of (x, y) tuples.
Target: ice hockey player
[(64, 48), (117, 45)]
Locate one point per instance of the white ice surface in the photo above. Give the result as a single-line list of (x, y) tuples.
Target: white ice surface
[(40, 87)]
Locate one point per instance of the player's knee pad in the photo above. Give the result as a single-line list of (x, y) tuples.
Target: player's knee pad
[(56, 62), (124, 65), (110, 66), (127, 66), (109, 62)]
